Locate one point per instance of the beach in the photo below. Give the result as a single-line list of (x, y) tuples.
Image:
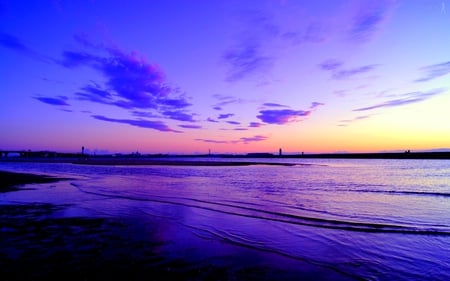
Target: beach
[(321, 219), (38, 244)]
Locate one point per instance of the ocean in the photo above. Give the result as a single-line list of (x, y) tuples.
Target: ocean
[(322, 219)]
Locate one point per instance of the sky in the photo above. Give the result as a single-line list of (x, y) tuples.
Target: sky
[(174, 76)]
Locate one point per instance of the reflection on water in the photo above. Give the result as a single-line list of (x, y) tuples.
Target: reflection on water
[(369, 219)]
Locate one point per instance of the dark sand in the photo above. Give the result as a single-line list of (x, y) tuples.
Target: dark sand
[(36, 244), (11, 181)]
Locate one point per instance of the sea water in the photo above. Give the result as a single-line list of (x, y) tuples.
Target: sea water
[(362, 219)]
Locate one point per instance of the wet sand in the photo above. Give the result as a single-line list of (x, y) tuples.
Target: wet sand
[(38, 244), (13, 181)]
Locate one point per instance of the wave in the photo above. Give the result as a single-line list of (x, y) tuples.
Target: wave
[(244, 209), (404, 192)]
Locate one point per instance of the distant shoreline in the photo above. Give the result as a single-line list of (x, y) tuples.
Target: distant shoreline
[(208, 159)]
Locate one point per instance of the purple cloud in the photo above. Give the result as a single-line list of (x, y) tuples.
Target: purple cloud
[(225, 116), (212, 120), (244, 140), (179, 115), (255, 125), (347, 73), (234, 122), (217, 108), (270, 104), (315, 105), (253, 139), (331, 64), (434, 71), (59, 101), (211, 141), (156, 125), (282, 116), (15, 44), (368, 19), (190, 126), (246, 61), (131, 81), (346, 122), (407, 99)]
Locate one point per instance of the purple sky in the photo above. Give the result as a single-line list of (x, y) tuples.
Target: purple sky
[(230, 76)]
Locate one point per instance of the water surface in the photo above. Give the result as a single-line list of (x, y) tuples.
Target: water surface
[(358, 219)]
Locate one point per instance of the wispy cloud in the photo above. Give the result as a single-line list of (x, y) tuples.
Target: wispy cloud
[(271, 104), (281, 116), (225, 100), (346, 122), (331, 64), (255, 125), (225, 116), (348, 73), (256, 138), (212, 120), (284, 116), (244, 140), (156, 125), (15, 44), (212, 141), (58, 101), (247, 60), (190, 126), (434, 71), (234, 122), (179, 115), (336, 68), (405, 99), (368, 19)]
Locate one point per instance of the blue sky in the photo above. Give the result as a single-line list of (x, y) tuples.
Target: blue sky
[(230, 76)]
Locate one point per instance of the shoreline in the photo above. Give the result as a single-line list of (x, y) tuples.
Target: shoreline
[(12, 181), (39, 244)]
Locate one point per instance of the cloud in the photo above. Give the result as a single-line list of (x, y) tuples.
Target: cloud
[(282, 116), (226, 100), (335, 67), (247, 60), (367, 20), (408, 98), (225, 116), (434, 71), (315, 32), (331, 64), (347, 73), (315, 105), (244, 140), (255, 125), (217, 108), (346, 122), (156, 125), (211, 141), (131, 81), (270, 104), (234, 122), (253, 139), (15, 44), (212, 120), (179, 115), (190, 126), (59, 101)]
